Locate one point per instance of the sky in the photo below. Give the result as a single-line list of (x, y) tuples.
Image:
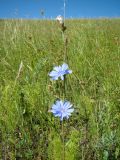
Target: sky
[(52, 8)]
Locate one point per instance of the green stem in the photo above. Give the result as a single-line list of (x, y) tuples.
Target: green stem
[(64, 88), (63, 142), (65, 46)]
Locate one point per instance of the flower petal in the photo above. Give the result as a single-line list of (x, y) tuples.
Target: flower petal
[(54, 78), (53, 73), (57, 68), (69, 71), (67, 105), (70, 110), (62, 77), (64, 66)]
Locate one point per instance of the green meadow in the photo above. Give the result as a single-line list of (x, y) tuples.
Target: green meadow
[(29, 49)]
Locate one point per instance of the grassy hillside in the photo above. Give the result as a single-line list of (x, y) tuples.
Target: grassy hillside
[(27, 130)]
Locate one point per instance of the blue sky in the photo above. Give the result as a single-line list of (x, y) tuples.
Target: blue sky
[(52, 8)]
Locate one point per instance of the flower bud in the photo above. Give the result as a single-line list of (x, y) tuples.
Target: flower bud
[(60, 19)]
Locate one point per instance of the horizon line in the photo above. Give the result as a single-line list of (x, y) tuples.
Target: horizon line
[(69, 18)]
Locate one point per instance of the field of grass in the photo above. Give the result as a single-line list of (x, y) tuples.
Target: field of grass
[(27, 130)]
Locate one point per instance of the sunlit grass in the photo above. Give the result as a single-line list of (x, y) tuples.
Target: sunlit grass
[(27, 129)]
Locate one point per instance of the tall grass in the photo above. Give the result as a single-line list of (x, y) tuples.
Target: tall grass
[(27, 130)]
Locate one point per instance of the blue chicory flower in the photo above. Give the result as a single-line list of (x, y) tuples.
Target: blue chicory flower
[(59, 71), (62, 109)]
